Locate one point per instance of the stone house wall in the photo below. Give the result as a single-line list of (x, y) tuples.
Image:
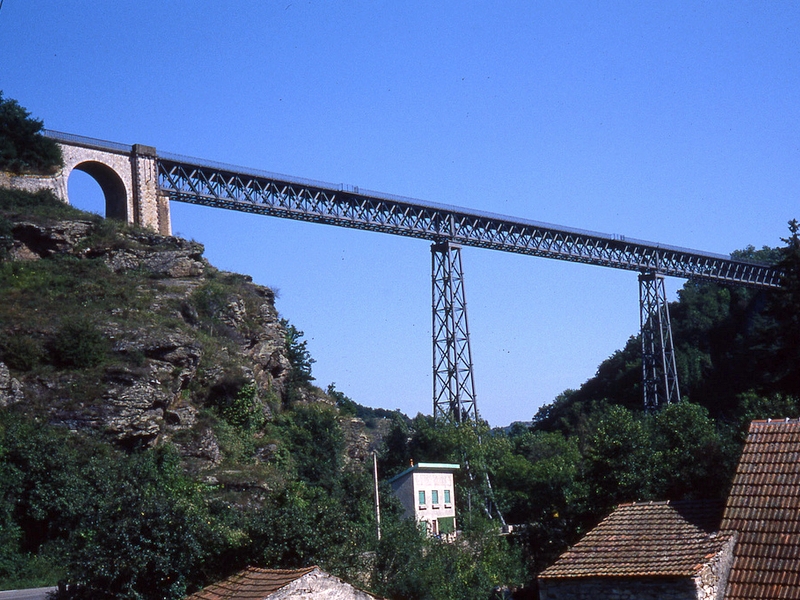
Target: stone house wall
[(621, 588), (320, 586), (713, 578)]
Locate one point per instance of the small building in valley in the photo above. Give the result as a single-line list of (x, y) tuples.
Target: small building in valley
[(665, 550), (281, 584), (427, 493)]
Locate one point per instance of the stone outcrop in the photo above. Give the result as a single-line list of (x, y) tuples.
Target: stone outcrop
[(10, 388), (202, 332), (181, 340), (32, 241), (357, 442)]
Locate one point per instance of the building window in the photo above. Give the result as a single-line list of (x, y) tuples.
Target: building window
[(422, 497), (447, 496), (434, 497)]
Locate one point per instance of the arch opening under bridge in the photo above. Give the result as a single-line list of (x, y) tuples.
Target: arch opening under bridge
[(108, 186)]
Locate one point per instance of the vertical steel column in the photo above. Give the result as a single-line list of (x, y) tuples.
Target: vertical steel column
[(659, 372), (453, 385)]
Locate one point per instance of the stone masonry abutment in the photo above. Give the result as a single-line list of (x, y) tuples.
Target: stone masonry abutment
[(127, 175)]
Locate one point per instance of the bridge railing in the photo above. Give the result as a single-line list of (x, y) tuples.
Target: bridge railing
[(87, 142)]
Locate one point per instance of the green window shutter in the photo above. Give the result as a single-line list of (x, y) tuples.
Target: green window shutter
[(447, 496), (422, 497), (447, 525), (434, 496)]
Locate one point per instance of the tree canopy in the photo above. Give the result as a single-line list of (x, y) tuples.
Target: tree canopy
[(23, 148)]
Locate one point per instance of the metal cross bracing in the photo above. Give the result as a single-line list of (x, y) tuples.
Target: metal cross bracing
[(659, 370), (453, 383)]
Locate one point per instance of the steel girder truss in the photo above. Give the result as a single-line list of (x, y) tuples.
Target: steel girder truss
[(197, 182), (200, 182), (453, 384), (659, 371)]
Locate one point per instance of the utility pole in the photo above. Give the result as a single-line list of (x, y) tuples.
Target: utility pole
[(377, 496)]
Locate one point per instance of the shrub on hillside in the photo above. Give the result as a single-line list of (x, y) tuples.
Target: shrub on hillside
[(20, 352), (23, 148), (79, 344)]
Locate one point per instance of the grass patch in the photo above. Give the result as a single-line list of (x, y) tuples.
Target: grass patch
[(40, 206)]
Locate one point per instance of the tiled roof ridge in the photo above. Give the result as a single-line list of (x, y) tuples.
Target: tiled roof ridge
[(784, 421), (663, 538), (666, 502), (250, 580), (282, 571)]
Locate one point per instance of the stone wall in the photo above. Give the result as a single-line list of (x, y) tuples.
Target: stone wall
[(713, 578), (129, 183), (30, 183), (621, 588), (321, 586)]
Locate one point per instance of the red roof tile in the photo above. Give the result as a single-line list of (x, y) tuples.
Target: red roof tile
[(764, 508), (251, 584), (653, 539)]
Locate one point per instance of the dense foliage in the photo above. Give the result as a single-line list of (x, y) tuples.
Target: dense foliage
[(23, 148)]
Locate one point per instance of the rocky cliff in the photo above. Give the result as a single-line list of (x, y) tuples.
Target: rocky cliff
[(126, 333)]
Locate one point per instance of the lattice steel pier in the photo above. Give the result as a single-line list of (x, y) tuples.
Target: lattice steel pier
[(659, 371), (453, 383)]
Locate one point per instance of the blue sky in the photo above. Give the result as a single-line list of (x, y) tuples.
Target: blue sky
[(674, 122)]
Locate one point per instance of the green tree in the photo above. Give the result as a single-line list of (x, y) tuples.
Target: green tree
[(23, 148), (316, 442), (688, 459), (617, 460), (146, 535), (538, 485), (780, 346), (300, 361)]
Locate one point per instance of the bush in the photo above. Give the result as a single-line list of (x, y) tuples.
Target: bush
[(23, 149), (20, 352), (244, 410), (79, 344)]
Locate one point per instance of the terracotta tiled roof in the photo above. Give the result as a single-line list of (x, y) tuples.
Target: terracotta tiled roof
[(764, 508), (653, 539), (251, 584)]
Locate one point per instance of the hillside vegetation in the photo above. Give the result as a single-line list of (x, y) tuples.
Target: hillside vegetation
[(160, 429)]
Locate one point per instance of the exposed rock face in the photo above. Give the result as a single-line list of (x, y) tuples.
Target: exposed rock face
[(357, 443), (36, 241), (10, 388), (202, 449), (181, 259), (182, 332)]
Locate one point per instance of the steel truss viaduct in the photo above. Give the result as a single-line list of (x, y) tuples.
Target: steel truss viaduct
[(448, 228)]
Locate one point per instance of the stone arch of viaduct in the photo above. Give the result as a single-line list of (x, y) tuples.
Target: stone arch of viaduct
[(127, 175)]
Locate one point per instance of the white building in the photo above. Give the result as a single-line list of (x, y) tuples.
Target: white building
[(427, 493)]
